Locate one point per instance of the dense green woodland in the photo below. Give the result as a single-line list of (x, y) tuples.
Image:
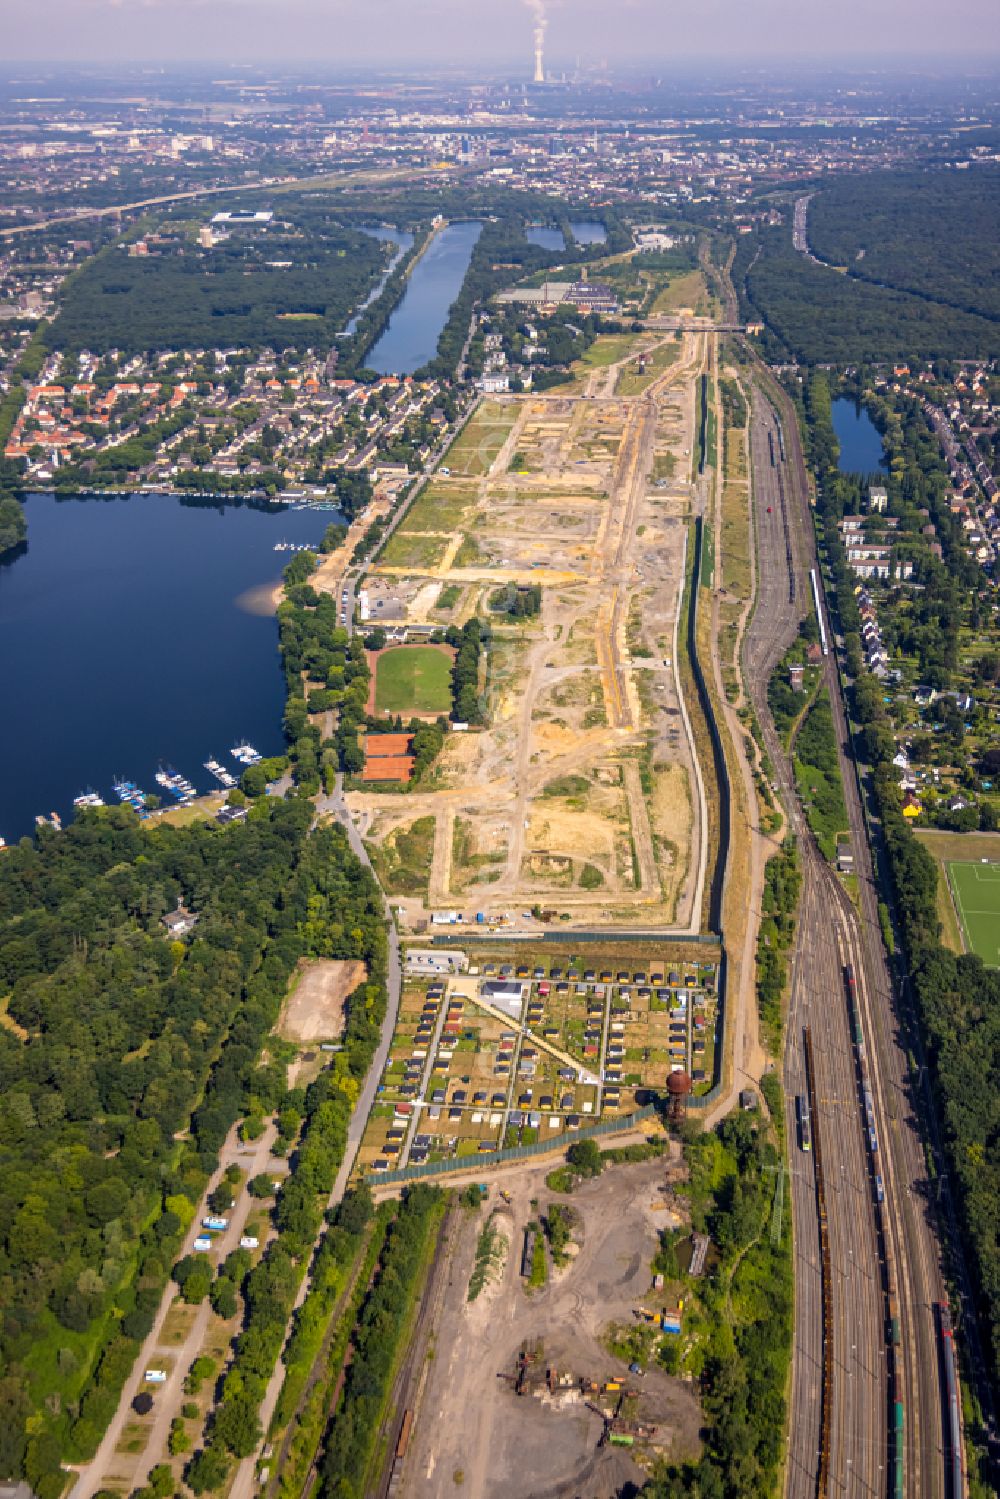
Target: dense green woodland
[(745, 1320), (184, 297), (116, 1042), (353, 1429), (815, 315), (936, 234), (317, 653), (779, 903), (13, 526), (957, 999)]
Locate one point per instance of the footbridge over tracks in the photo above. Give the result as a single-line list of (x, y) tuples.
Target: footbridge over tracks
[(690, 325)]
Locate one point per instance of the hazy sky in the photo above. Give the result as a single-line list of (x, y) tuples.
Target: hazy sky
[(489, 32)]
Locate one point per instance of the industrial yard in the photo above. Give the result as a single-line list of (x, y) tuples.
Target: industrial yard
[(523, 1394)]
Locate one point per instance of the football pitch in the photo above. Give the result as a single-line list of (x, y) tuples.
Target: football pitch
[(413, 679), (976, 892)]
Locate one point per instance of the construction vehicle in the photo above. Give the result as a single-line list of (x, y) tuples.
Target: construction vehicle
[(526, 1359)]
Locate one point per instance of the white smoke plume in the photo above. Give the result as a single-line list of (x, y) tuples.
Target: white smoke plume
[(537, 8)]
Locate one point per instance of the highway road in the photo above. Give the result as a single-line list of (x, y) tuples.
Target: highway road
[(260, 187), (864, 1237)]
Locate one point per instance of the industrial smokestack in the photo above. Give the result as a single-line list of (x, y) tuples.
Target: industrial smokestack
[(537, 7)]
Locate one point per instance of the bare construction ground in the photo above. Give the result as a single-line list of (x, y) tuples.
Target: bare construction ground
[(582, 794), (314, 1010), (472, 1434)]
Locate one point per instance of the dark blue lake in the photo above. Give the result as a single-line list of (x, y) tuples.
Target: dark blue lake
[(861, 450), (134, 631), (546, 236), (411, 337), (588, 231)]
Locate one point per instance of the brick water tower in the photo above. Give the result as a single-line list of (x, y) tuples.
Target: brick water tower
[(679, 1085)]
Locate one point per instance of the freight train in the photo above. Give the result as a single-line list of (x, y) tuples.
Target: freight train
[(805, 1125), (953, 1413), (896, 1435)]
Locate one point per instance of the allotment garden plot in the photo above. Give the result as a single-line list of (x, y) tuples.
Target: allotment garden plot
[(529, 1042)]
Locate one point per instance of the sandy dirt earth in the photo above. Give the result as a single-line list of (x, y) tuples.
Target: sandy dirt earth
[(590, 496), (314, 1010), (468, 1420)]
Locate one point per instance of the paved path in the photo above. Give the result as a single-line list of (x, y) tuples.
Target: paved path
[(334, 805), (251, 1159), (748, 1059)]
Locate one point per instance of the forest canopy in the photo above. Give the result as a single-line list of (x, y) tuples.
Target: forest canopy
[(125, 1057), (934, 233), (292, 284), (821, 316)]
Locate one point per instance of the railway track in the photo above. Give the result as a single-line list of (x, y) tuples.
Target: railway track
[(889, 1255), (903, 1273), (403, 1407), (826, 1388)]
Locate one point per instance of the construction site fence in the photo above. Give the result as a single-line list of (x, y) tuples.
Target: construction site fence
[(513, 1153), (608, 936)]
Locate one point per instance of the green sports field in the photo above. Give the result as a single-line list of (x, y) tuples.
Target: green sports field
[(976, 892), (413, 679)]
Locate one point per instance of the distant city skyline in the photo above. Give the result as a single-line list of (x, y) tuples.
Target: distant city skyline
[(418, 33)]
